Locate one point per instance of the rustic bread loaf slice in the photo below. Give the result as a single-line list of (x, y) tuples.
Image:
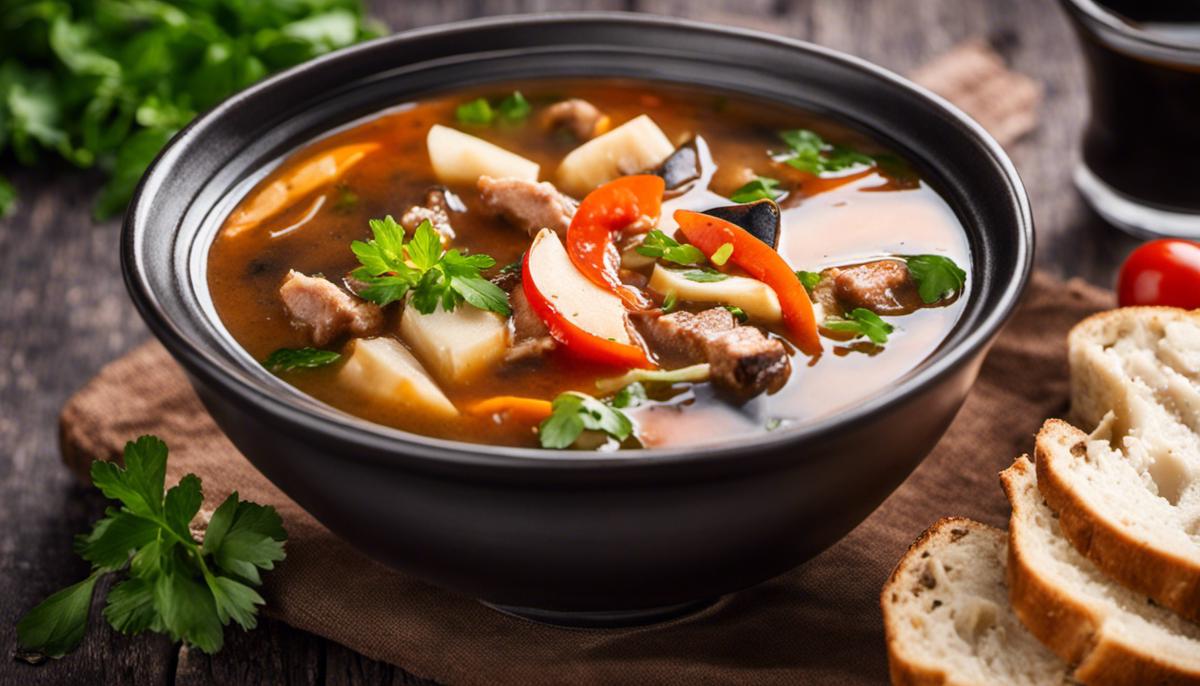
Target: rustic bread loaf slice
[(1111, 634), (947, 618), (1130, 498)]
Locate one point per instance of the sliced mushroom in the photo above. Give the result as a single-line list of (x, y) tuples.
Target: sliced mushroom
[(761, 218)]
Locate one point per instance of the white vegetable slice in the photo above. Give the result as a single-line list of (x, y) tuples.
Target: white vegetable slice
[(756, 298), (581, 302), (455, 345), (635, 146), (458, 157), (383, 368)]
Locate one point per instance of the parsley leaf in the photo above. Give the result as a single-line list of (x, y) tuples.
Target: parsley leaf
[(809, 279), (660, 245), (737, 312), (478, 111), (761, 188), (669, 303), (862, 322), (173, 584), (808, 152), (514, 108), (631, 396), (704, 275), (287, 359), (572, 412), (937, 277)]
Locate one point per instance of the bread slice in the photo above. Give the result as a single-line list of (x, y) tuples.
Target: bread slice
[(1130, 497), (1111, 634), (947, 618)]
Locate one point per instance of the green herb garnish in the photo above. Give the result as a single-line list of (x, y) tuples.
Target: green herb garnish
[(8, 196), (737, 312), (862, 322), (937, 277), (704, 275), (722, 254), (287, 359), (808, 152), (668, 305), (514, 267), (173, 584), (660, 245), (514, 108), (478, 111), (106, 84), (434, 277), (573, 412), (631, 396), (809, 279), (761, 188), (693, 374)]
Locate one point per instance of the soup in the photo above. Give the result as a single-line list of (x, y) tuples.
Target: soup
[(591, 265)]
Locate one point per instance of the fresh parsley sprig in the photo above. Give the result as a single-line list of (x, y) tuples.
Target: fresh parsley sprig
[(761, 188), (172, 583), (937, 277), (288, 359), (572, 412), (861, 322), (512, 109), (808, 279), (660, 245), (809, 152), (391, 269)]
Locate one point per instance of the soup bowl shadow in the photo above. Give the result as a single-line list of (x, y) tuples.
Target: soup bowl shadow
[(572, 538)]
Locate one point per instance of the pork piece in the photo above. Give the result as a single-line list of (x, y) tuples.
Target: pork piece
[(885, 287), (438, 205), (325, 311), (580, 117), (527, 205), (745, 362), (530, 337)]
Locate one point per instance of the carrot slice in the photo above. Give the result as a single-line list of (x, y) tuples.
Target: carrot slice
[(527, 410)]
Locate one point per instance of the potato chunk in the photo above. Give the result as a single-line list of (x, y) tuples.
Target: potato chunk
[(382, 368), (635, 146), (455, 345), (458, 157), (756, 298)]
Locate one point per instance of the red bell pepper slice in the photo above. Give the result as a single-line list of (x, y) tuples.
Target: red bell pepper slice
[(613, 207), (760, 261)]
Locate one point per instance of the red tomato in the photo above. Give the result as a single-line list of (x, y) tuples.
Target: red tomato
[(1162, 272)]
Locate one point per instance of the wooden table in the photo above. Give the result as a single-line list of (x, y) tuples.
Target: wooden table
[(64, 311)]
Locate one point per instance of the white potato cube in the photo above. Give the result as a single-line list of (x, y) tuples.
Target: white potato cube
[(458, 345), (384, 369), (635, 146), (756, 298), (458, 157)]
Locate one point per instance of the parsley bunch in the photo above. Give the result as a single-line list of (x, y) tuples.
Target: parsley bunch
[(807, 151), (392, 268), (173, 583), (107, 83)]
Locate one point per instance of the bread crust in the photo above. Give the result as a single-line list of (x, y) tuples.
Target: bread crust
[(1071, 629), (1172, 581), (902, 670)]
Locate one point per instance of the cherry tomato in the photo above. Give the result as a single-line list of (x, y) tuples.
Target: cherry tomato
[(1162, 272)]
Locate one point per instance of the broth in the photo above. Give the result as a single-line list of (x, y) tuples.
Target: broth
[(857, 217)]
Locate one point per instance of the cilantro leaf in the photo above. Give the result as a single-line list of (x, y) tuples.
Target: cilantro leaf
[(188, 610), (236, 601), (862, 322), (115, 538), (478, 111), (57, 624), (761, 188), (572, 412), (809, 152), (246, 538), (631, 396), (140, 484), (660, 245), (937, 277), (705, 275), (809, 279), (514, 108), (287, 359), (181, 505), (130, 606), (425, 248)]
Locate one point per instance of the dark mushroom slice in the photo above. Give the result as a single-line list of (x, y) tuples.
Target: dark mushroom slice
[(681, 167), (761, 218)]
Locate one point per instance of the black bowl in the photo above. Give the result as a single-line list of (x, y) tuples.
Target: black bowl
[(580, 537)]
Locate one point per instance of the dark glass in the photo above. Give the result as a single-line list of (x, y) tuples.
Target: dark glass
[(1142, 141)]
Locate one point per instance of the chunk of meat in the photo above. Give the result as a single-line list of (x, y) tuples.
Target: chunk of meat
[(884, 287), (744, 361), (526, 205), (437, 206), (530, 337), (580, 117), (325, 311)]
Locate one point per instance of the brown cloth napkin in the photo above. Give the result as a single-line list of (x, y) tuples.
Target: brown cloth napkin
[(819, 623)]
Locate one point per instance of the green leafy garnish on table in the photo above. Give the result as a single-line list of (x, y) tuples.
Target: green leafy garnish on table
[(171, 583), (106, 84), (288, 359), (809, 152), (761, 188), (573, 412), (861, 322), (937, 277), (660, 245), (391, 269)]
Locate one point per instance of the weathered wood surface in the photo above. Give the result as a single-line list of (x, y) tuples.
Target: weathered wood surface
[(64, 311)]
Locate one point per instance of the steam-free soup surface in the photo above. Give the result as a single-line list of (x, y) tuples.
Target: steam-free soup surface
[(857, 204)]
